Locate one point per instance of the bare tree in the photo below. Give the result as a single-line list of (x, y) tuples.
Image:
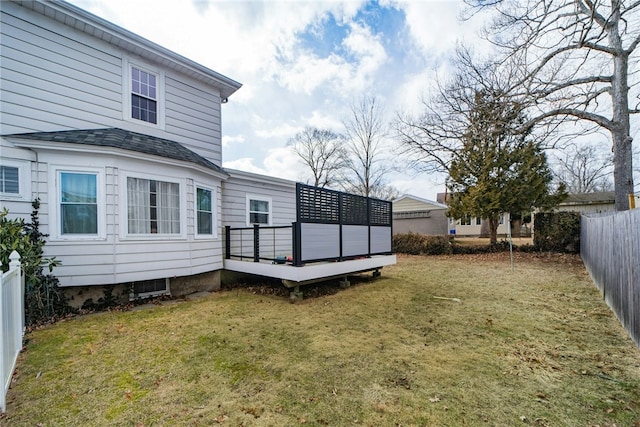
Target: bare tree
[(323, 152), (584, 169), (435, 138), (574, 58), (366, 131)]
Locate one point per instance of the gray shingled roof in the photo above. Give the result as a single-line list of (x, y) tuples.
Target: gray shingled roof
[(590, 198), (125, 140)]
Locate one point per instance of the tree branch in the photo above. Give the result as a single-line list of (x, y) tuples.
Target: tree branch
[(574, 112)]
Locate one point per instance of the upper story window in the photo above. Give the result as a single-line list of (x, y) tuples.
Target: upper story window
[(258, 210), (10, 180), (143, 93), (144, 101)]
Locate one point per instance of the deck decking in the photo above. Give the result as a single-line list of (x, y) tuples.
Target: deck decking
[(297, 276)]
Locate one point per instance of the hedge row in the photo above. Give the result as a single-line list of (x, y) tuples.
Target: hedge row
[(554, 232)]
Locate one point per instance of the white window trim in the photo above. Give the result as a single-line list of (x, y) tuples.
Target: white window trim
[(24, 180), (262, 199), (214, 216), (127, 90), (124, 221), (55, 228)]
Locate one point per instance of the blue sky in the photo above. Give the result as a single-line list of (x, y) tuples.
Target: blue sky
[(303, 63)]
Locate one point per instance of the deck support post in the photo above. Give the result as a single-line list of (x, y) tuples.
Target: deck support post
[(377, 273), (296, 294), (345, 283)]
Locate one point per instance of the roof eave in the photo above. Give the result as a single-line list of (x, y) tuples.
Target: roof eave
[(97, 149)]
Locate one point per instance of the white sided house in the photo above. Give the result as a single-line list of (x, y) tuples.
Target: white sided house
[(412, 214), (120, 140)]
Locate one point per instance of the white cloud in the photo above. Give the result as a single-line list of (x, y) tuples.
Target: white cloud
[(244, 164), (286, 83), (228, 140)]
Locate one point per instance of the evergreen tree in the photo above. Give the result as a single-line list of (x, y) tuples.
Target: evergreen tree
[(498, 170)]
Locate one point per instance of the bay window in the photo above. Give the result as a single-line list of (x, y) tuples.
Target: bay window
[(78, 201), (153, 207), (204, 211)]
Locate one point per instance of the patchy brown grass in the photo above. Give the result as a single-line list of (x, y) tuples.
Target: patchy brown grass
[(536, 346)]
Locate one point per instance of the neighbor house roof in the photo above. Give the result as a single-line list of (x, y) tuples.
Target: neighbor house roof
[(95, 26), (601, 197), (121, 139), (411, 202)]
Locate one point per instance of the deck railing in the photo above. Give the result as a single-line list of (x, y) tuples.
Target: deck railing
[(330, 226), (11, 322)]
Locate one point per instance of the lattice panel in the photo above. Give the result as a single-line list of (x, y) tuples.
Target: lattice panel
[(318, 205), (354, 209), (379, 212)]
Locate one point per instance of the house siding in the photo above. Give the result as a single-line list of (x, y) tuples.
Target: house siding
[(408, 205), (282, 194), (240, 184), (55, 77), (420, 216), (117, 258), (436, 224)]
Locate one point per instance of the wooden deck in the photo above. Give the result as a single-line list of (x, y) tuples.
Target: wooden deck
[(297, 276)]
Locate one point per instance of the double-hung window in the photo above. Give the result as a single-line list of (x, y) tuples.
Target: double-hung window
[(10, 180), (204, 211), (144, 95), (78, 201), (153, 207)]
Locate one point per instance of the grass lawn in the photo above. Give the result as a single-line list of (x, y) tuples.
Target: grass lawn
[(537, 346)]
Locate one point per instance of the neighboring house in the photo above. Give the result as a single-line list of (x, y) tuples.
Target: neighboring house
[(120, 139), (587, 203), (417, 215), (471, 226)]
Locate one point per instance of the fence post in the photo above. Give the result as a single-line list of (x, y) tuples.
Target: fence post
[(227, 241), (297, 244), (15, 263), (256, 243), (3, 391)]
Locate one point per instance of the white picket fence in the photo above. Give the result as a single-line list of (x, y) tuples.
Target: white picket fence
[(11, 322)]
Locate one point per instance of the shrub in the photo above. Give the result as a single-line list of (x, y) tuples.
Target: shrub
[(557, 231), (43, 298), (421, 244)]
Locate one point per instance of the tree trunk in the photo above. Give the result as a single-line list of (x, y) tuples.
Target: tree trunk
[(493, 231), (622, 141), (516, 224)]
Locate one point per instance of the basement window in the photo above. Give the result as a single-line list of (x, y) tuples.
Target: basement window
[(149, 288)]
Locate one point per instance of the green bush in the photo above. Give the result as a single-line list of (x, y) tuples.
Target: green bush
[(501, 246), (421, 244), (557, 231), (44, 300)]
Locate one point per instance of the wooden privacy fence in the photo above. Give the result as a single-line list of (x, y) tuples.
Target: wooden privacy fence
[(610, 250), (11, 322)]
